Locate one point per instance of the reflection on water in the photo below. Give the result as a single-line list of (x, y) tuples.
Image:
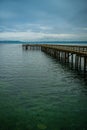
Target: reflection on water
[(38, 93)]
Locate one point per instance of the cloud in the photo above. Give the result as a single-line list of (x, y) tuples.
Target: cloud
[(38, 36), (47, 19), (26, 28)]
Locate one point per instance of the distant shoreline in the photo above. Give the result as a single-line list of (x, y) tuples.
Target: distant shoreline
[(43, 42)]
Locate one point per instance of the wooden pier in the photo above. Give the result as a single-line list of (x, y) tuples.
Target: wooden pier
[(31, 46), (73, 55)]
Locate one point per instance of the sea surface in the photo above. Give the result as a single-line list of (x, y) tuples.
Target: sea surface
[(39, 93)]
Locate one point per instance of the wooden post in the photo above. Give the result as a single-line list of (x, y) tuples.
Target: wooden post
[(76, 62), (71, 60), (67, 57), (59, 55), (80, 63), (26, 47), (84, 64)]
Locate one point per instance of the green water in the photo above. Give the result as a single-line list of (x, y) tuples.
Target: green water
[(38, 93)]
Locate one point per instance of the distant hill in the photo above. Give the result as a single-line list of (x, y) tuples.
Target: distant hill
[(43, 42), (11, 42)]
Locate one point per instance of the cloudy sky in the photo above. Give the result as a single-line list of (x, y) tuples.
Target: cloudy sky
[(43, 20)]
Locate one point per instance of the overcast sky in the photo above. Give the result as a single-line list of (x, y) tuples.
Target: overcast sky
[(43, 20)]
